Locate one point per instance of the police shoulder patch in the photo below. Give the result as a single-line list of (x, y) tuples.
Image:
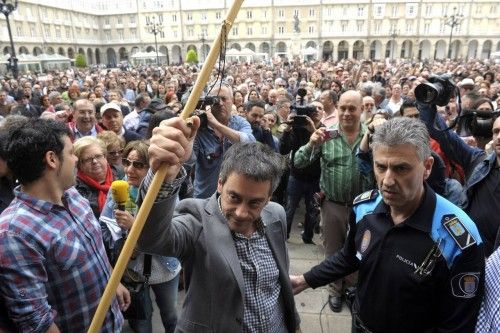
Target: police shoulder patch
[(458, 231), (465, 285), (365, 196)]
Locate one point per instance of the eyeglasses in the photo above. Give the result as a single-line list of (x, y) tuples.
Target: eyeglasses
[(136, 164), (115, 153), (97, 158)]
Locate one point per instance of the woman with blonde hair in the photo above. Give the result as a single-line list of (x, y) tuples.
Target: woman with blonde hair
[(94, 175)]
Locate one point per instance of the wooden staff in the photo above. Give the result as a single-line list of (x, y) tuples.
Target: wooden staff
[(150, 197)]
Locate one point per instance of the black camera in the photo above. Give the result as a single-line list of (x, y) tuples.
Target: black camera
[(301, 110), (207, 101), (476, 123), (438, 90)]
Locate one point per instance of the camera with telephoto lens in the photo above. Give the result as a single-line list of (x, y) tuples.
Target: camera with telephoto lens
[(301, 111), (438, 90), (476, 123)]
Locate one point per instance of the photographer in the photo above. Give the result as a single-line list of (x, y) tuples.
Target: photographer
[(482, 171), (302, 182), (212, 141), (254, 112)]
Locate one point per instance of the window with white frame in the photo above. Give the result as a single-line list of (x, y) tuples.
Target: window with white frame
[(312, 12), (409, 27), (444, 9), (32, 31), (189, 16), (329, 11), (394, 10), (174, 17), (19, 31), (378, 10), (281, 13), (131, 19), (249, 31), (174, 33), (296, 13), (58, 32), (343, 26), (361, 11), (120, 34), (46, 28), (133, 33), (281, 30), (68, 32), (190, 32), (107, 34), (344, 11), (264, 30), (428, 10), (427, 27), (411, 10), (359, 26), (218, 15), (311, 29), (235, 31), (376, 27), (249, 14)]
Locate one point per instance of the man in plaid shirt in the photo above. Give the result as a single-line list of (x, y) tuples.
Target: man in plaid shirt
[(53, 266)]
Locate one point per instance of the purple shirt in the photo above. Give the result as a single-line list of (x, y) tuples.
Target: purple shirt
[(53, 266)]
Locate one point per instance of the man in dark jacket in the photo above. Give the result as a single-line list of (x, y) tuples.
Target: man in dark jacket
[(302, 182), (254, 111)]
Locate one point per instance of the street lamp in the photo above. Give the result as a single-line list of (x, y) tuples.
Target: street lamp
[(154, 28), (453, 21), (203, 39), (393, 33), (7, 7)]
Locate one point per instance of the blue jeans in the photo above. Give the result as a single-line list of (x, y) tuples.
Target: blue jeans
[(166, 299), (295, 191)]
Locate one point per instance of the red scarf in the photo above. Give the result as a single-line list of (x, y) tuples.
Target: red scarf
[(102, 188)]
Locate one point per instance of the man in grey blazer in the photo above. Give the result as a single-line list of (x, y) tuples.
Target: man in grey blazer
[(232, 245)]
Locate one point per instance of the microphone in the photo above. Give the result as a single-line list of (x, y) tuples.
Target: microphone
[(119, 191)]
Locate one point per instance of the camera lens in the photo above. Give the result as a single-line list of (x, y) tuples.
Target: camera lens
[(428, 92)]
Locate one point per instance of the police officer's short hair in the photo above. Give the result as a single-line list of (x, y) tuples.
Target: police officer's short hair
[(403, 130)]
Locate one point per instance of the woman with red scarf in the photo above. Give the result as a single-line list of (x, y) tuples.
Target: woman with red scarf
[(94, 175)]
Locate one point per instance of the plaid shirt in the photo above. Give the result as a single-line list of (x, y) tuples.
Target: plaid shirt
[(53, 267), (489, 316), (340, 179)]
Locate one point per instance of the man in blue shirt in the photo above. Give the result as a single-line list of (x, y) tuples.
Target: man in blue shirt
[(212, 141)]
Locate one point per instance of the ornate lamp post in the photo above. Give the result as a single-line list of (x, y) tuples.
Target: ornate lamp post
[(154, 28), (453, 20), (7, 7), (393, 33)]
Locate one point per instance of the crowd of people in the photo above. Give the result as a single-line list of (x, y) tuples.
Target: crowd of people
[(403, 192)]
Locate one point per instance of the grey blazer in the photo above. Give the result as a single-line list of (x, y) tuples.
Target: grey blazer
[(198, 235)]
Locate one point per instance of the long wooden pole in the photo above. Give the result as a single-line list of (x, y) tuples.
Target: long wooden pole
[(150, 197)]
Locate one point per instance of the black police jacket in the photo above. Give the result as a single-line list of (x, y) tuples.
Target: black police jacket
[(425, 274)]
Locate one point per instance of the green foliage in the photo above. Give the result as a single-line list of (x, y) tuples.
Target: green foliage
[(192, 56), (80, 61)]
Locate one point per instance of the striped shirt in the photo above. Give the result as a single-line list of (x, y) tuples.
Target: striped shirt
[(341, 179), (53, 266), (489, 315)]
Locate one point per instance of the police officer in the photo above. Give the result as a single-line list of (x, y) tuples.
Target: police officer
[(420, 258)]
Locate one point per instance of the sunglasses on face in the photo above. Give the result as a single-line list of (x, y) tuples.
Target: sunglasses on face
[(136, 164)]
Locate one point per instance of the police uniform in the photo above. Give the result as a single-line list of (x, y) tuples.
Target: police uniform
[(425, 274)]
